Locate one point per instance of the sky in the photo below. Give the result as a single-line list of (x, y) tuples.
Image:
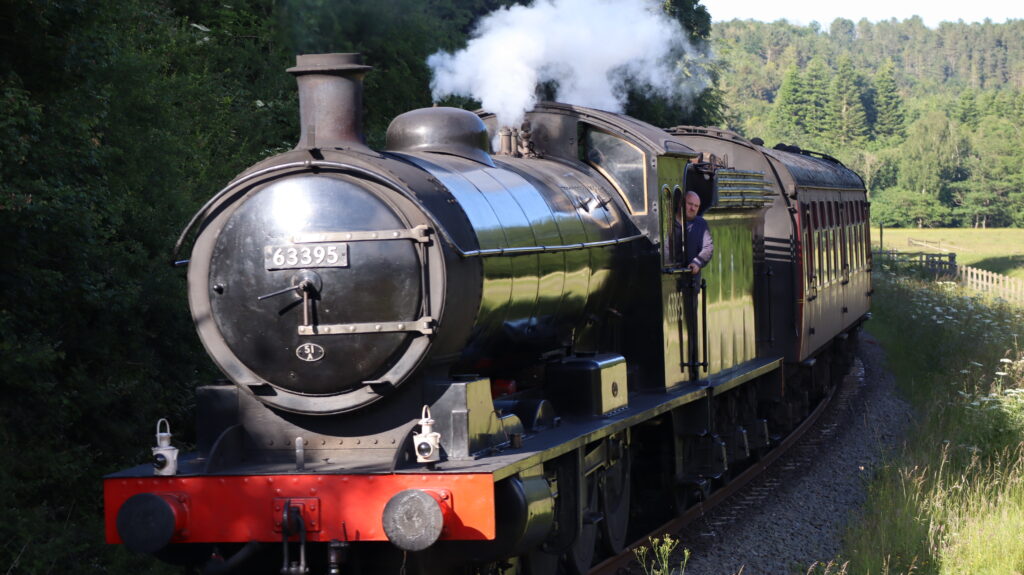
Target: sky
[(803, 12)]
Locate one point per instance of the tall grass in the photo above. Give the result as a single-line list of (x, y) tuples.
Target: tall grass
[(952, 500)]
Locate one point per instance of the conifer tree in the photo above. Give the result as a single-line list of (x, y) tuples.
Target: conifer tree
[(966, 111), (816, 112), (846, 120), (787, 114), (889, 110)]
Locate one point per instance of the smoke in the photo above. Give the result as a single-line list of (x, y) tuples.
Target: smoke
[(591, 50)]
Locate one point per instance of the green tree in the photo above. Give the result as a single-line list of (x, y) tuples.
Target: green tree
[(896, 207), (843, 34), (878, 168), (966, 111), (982, 208), (932, 157), (787, 120), (996, 165), (890, 116), (102, 160), (816, 112), (693, 16), (846, 119), (930, 92)]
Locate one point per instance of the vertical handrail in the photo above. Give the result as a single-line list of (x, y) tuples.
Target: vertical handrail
[(704, 318), (684, 352)]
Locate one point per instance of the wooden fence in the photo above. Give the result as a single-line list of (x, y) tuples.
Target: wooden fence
[(940, 266), (935, 245), (996, 285), (944, 267)]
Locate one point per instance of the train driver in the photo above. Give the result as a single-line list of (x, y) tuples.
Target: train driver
[(698, 246), (696, 252)]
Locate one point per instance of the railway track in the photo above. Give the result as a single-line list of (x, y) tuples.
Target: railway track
[(744, 492)]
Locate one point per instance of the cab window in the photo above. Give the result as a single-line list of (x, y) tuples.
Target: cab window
[(619, 161)]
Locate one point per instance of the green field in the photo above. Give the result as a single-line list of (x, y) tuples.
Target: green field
[(998, 250)]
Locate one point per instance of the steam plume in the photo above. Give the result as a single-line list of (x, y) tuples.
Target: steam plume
[(590, 49)]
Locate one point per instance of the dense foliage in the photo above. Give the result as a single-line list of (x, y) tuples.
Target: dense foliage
[(117, 120), (933, 119)]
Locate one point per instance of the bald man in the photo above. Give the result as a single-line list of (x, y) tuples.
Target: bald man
[(699, 246)]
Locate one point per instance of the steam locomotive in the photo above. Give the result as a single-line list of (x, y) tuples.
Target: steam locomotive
[(444, 359)]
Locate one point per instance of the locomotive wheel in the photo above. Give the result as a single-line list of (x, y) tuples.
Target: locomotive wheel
[(615, 491)]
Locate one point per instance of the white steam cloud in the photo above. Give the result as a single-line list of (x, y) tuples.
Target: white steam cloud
[(589, 48)]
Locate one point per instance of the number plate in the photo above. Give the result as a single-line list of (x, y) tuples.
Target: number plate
[(290, 257)]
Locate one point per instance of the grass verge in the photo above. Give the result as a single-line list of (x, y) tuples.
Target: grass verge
[(953, 500)]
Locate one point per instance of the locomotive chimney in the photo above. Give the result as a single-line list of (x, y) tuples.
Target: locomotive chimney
[(330, 99)]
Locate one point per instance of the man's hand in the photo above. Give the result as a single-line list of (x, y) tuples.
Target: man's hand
[(694, 268)]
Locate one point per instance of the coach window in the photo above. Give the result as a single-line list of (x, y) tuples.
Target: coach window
[(832, 247), (620, 162), (859, 239), (844, 233), (854, 239), (833, 239), (819, 237), (809, 243), (837, 213), (866, 216), (821, 230), (849, 256)]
